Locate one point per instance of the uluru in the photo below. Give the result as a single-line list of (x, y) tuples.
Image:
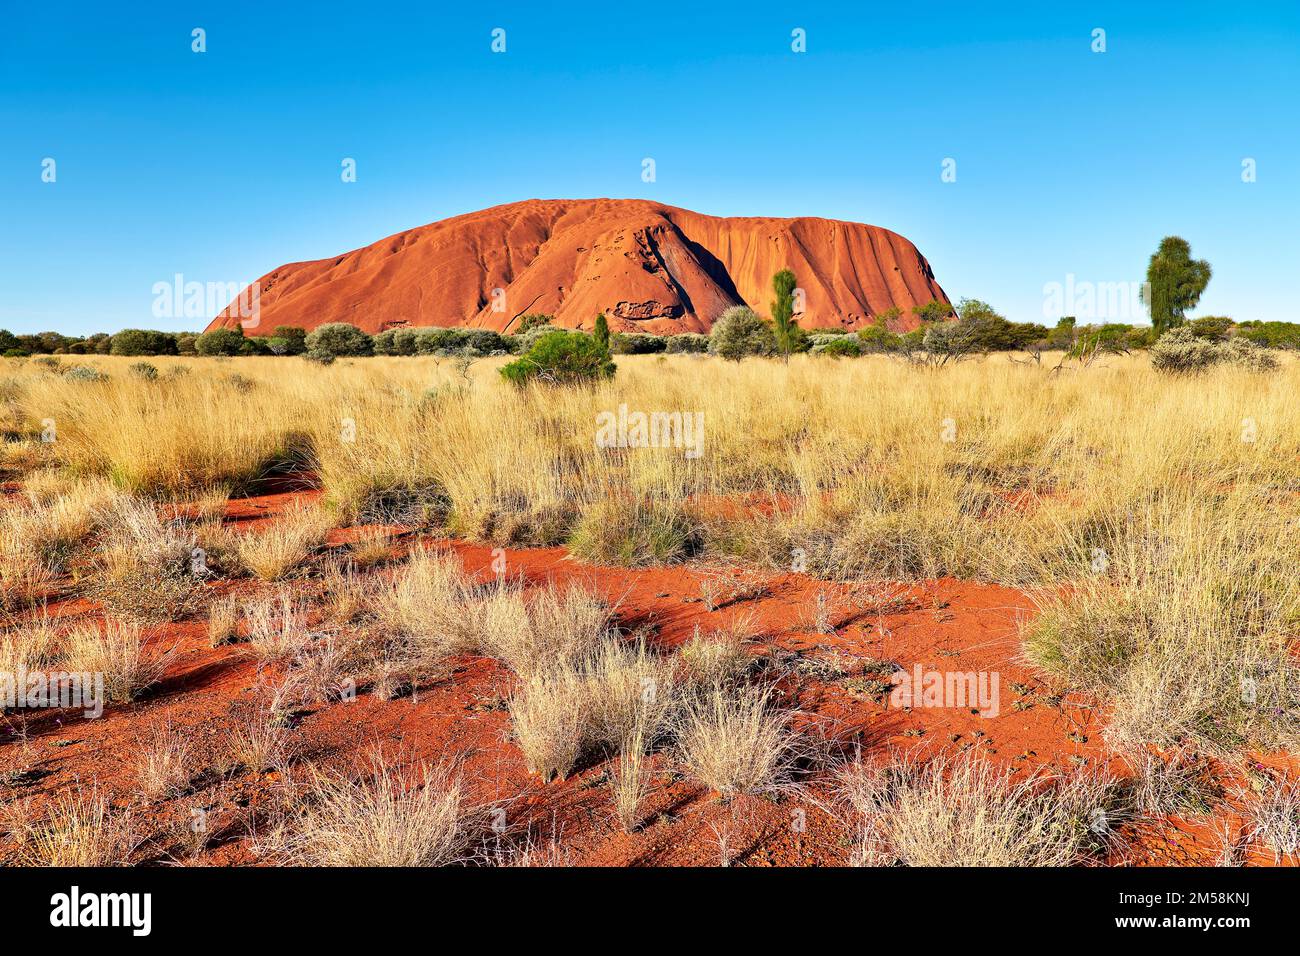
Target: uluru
[(649, 267)]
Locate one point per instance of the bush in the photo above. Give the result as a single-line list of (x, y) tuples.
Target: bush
[(294, 338), (691, 342), (637, 343), (84, 373), (561, 358), (533, 320), (1213, 327), (1273, 335), (1180, 351), (142, 342), (836, 346), (483, 342), (220, 342), (338, 338), (877, 339), (738, 333), (1247, 355), (318, 357), (145, 370), (950, 341)]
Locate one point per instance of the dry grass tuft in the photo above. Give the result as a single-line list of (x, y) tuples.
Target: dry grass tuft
[(118, 651), (258, 740), (963, 812), (569, 710), (1273, 817), (277, 625), (80, 829), (277, 550), (424, 818), (719, 657), (144, 568), (165, 762), (736, 741), (223, 622)]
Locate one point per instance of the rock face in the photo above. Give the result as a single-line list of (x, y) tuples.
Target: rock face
[(648, 267)]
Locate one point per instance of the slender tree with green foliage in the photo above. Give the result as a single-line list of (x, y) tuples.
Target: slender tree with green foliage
[(1175, 282), (784, 323), (602, 331)]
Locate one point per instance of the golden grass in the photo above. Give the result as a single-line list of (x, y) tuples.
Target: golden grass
[(79, 829), (988, 470), (737, 741), (962, 811), (422, 818), (166, 760), (118, 651), (275, 551), (571, 708), (277, 625)]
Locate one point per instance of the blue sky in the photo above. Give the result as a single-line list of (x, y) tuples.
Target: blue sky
[(222, 165)]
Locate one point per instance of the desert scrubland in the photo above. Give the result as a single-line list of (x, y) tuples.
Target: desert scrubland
[(397, 610)]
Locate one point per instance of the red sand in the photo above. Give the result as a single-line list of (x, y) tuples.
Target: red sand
[(945, 625)]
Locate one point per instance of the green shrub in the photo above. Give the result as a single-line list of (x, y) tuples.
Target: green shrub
[(142, 342), (836, 346), (691, 342), (1213, 327), (533, 320), (637, 343), (878, 339), (145, 370), (337, 339), (738, 333), (560, 358), (1273, 335), (484, 342), (220, 342), (295, 339)]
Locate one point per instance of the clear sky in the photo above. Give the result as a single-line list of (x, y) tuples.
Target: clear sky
[(222, 165)]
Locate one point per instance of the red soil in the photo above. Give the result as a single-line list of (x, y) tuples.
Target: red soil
[(944, 625), (647, 266)]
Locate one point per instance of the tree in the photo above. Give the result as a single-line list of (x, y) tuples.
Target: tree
[(602, 331), (533, 320), (294, 339), (142, 342), (338, 338), (783, 320), (561, 358), (889, 317), (932, 311), (739, 332), (220, 342), (1175, 282)]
